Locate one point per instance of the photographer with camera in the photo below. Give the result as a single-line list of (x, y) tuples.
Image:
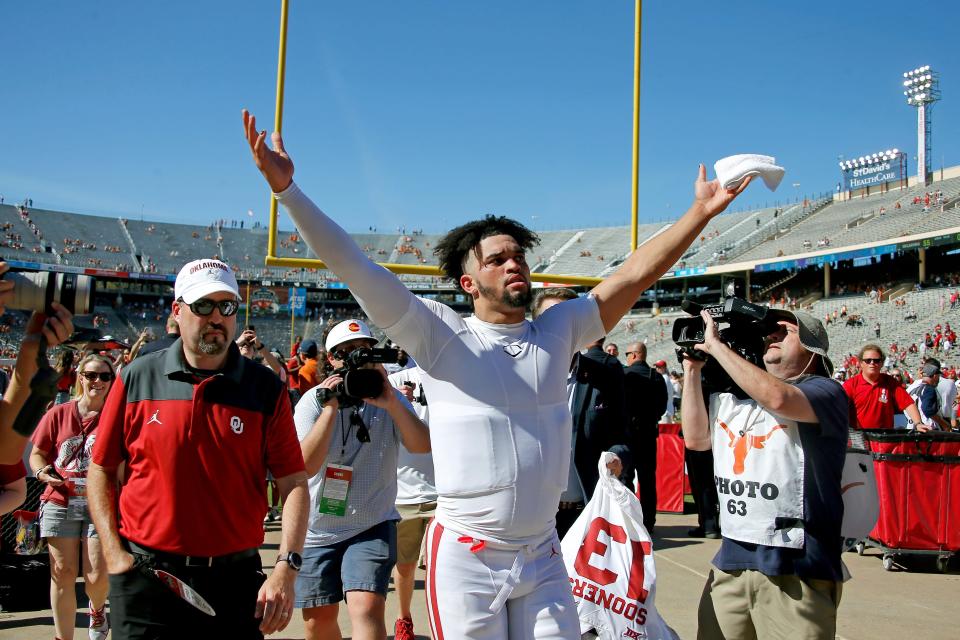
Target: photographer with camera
[(351, 427), (778, 456), (15, 429), (251, 347)]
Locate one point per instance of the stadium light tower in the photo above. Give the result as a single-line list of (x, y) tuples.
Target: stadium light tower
[(922, 89)]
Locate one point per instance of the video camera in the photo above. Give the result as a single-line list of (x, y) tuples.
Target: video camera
[(741, 325), (358, 382)]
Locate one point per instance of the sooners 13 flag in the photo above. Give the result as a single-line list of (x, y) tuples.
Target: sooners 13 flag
[(609, 558)]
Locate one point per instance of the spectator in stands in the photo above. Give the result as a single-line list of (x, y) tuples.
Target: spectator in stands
[(295, 349), (173, 334), (61, 455), (878, 396)]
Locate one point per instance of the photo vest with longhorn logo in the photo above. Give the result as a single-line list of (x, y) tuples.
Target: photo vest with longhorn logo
[(758, 470)]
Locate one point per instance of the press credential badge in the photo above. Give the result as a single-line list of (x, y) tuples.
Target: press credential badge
[(333, 493)]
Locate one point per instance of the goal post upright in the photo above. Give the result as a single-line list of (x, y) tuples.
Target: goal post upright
[(273, 260)]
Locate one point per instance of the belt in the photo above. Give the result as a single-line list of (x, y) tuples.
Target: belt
[(192, 561)]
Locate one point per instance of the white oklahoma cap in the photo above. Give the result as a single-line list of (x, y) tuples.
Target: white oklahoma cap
[(346, 331), (203, 277)]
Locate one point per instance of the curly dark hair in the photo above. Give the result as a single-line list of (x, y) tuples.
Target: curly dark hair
[(453, 248)]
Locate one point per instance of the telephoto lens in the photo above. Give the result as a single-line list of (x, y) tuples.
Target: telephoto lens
[(36, 291)]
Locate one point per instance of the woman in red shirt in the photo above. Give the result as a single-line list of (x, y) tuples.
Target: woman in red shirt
[(61, 455)]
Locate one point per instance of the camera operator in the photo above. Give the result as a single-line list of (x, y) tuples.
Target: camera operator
[(778, 457), (55, 329), (350, 448)]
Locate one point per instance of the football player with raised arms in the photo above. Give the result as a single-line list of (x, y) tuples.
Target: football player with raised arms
[(497, 384)]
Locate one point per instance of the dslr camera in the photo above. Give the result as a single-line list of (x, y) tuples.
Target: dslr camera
[(359, 382), (741, 325)]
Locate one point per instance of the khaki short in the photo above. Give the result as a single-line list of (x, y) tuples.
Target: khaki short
[(749, 605), (414, 519)]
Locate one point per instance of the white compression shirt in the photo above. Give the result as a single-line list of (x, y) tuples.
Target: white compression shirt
[(500, 424)]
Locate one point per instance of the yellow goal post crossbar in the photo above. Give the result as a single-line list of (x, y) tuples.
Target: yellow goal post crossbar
[(273, 260)]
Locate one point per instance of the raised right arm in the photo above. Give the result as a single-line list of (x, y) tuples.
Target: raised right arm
[(380, 293)]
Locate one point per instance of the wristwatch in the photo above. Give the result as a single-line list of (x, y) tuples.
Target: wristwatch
[(293, 559)]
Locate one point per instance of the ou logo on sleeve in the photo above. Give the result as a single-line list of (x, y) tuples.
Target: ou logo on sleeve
[(236, 424)]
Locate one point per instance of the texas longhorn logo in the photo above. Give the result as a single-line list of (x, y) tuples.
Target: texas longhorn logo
[(743, 442)]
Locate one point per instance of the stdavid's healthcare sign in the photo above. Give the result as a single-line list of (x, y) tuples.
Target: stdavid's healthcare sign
[(873, 174)]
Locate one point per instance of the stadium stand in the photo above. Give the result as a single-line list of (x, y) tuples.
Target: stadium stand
[(86, 241), (860, 220), (169, 246), (17, 240)]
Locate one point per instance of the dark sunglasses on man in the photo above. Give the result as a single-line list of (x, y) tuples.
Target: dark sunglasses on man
[(205, 306), (105, 376)]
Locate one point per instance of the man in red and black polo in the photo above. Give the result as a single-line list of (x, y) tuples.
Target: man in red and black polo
[(878, 396), (198, 426)]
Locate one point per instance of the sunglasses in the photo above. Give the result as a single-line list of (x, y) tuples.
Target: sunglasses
[(363, 434), (872, 360), (105, 376), (205, 306)]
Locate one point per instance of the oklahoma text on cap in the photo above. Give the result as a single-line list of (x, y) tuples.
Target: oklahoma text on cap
[(202, 277)]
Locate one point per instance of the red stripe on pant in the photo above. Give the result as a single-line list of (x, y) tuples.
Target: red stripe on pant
[(433, 610)]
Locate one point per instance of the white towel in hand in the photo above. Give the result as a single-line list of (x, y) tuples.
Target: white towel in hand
[(732, 170)]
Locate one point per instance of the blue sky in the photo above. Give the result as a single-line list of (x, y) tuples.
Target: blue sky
[(427, 113)]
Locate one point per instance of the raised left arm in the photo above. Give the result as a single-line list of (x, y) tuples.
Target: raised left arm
[(617, 294)]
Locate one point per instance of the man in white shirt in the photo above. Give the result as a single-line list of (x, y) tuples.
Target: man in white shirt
[(416, 503), (497, 385)]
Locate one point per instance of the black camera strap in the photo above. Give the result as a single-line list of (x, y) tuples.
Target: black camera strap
[(363, 434)]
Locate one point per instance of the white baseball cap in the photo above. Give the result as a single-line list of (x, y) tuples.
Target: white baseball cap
[(346, 331), (203, 277)]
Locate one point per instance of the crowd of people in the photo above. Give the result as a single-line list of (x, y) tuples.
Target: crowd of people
[(471, 458)]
